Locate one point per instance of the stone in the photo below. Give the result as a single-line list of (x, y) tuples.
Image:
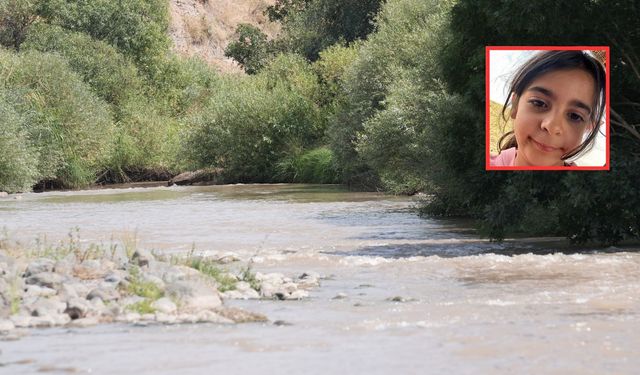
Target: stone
[(42, 322), (239, 315), (298, 294), (68, 290), (130, 300), (47, 306), (39, 291), (46, 279), (83, 322), (308, 280), (207, 316), (142, 257), (21, 321), (4, 194), (104, 293), (116, 277), (193, 296), (164, 305), (77, 308), (179, 273), (39, 266), (165, 318), (93, 269), (6, 325), (187, 318), (148, 317)]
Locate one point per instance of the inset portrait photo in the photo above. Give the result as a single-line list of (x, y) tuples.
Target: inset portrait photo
[(547, 108)]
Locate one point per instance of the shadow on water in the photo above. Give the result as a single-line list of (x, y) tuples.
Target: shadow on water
[(460, 248)]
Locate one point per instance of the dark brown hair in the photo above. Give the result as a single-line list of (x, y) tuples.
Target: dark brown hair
[(549, 61)]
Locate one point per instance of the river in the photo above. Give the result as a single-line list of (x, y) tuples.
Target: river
[(400, 293)]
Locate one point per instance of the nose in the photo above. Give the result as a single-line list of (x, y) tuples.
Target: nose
[(552, 124)]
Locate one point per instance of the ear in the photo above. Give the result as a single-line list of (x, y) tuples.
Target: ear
[(514, 105)]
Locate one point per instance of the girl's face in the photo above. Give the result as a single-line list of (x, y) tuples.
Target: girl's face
[(551, 116)]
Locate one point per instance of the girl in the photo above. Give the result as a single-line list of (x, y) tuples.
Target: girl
[(557, 103)]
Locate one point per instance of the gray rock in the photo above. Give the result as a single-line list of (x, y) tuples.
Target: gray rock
[(154, 280), (193, 296), (131, 317), (46, 279), (47, 307), (164, 305), (240, 316), (207, 316), (42, 322), (148, 317), (130, 300), (179, 273), (4, 194), (104, 293), (21, 320), (165, 318), (39, 266), (69, 290), (77, 308), (297, 294), (84, 322), (116, 277), (6, 325), (142, 257), (39, 291), (308, 280)]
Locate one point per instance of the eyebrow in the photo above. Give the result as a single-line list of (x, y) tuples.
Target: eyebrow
[(550, 94)]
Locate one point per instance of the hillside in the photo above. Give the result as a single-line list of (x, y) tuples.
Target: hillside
[(205, 27)]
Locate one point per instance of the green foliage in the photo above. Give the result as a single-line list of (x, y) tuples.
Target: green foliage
[(224, 281), (112, 76), (251, 49), (136, 27), (314, 166), (291, 72), (313, 25), (139, 287), (331, 68), (18, 163), (16, 16), (383, 127), (250, 124), (69, 126), (583, 206)]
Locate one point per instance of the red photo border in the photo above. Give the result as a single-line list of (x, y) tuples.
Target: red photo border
[(488, 167)]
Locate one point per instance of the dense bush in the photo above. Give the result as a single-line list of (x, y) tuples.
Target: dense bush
[(314, 166), (249, 126), (19, 159), (112, 76), (385, 121), (138, 28), (583, 206), (310, 26), (69, 126)]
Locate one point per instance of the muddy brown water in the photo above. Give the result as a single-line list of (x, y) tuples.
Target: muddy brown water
[(414, 295)]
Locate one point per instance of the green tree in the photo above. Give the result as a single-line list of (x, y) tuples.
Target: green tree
[(583, 206), (311, 26), (251, 49)]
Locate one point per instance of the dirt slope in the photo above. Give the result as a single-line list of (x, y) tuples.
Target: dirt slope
[(205, 27)]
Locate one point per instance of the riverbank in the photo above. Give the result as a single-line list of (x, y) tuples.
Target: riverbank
[(74, 285)]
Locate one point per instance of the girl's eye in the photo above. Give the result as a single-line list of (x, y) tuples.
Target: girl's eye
[(538, 103), (575, 117)]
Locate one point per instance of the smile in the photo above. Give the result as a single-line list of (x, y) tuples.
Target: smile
[(542, 147)]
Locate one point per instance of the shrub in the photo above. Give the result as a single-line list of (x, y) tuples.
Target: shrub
[(69, 126), (136, 27), (19, 161), (248, 126), (315, 166), (112, 76)]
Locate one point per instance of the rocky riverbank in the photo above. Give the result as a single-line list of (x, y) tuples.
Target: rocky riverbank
[(76, 288)]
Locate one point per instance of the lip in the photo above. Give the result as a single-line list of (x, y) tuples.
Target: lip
[(542, 147)]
